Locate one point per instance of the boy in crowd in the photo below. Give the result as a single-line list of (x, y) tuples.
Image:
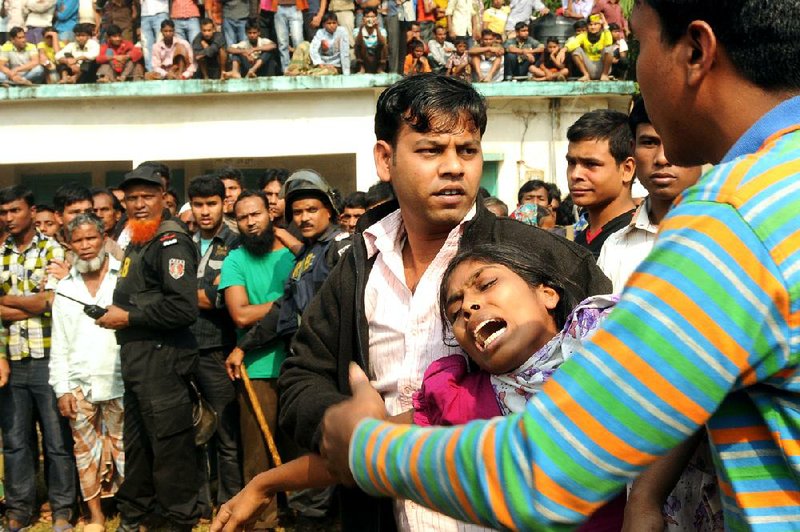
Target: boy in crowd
[(554, 62), (440, 50), (355, 205), (458, 66), (19, 61), (619, 67), (627, 248), (250, 57), (172, 57), (232, 179), (600, 172), (209, 51), (416, 62), (330, 48), (45, 220), (370, 45), (592, 52), (48, 48), (520, 56), (487, 59), (76, 60), (118, 60)]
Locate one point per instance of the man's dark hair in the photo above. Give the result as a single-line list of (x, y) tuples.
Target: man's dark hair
[(460, 40), (580, 24), (356, 200), (45, 208), (487, 31), (113, 30), (413, 44), (174, 193), (519, 25), (17, 192), (249, 194), (613, 26), (638, 116), (167, 23), (83, 28), (373, 10), (205, 21), (107, 192), (229, 172), (329, 15), (251, 25), (380, 192), (273, 174), (555, 192), (206, 186), (530, 186), (428, 103), (16, 30), (748, 30), (70, 193), (604, 124)]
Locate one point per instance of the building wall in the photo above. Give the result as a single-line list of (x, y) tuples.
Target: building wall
[(326, 124)]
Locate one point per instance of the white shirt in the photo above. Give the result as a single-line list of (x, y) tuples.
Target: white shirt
[(624, 250), (406, 336), (83, 354), (584, 7)]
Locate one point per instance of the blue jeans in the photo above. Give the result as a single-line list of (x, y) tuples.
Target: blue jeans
[(233, 30), (187, 28), (151, 29), (35, 75), (28, 388), (288, 21)]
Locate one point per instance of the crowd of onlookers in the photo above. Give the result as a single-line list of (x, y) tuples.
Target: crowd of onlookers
[(87, 41)]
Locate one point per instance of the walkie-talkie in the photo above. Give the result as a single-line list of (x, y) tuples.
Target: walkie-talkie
[(93, 311)]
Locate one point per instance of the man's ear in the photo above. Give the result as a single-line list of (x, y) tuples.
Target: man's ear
[(701, 51), (383, 153), (628, 169)]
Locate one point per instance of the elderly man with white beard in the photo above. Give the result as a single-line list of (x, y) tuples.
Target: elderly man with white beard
[(85, 365)]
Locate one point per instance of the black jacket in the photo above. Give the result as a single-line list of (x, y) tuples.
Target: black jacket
[(334, 331)]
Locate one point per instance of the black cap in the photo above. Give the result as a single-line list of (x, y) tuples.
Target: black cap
[(144, 174)]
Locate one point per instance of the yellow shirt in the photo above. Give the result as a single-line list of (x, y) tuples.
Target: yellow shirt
[(49, 51), (593, 50), (495, 19)]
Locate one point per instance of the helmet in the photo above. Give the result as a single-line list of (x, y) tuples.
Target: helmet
[(307, 183)]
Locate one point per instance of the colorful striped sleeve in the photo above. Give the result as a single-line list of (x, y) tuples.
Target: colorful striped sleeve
[(705, 314)]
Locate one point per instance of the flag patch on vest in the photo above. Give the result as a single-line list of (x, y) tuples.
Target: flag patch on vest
[(176, 268)]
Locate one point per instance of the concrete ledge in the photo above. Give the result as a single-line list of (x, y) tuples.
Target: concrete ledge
[(150, 89)]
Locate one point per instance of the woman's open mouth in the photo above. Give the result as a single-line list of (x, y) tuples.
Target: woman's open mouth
[(488, 331)]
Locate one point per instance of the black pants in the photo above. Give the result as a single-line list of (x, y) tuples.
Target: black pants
[(161, 459), (515, 68), (268, 65), (266, 28), (220, 392)]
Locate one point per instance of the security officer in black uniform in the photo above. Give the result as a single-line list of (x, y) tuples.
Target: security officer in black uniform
[(155, 302)]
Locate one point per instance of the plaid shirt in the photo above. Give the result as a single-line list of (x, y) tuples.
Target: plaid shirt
[(22, 273)]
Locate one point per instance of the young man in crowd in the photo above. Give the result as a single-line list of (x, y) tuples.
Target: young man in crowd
[(391, 277), (624, 250), (600, 173), (106, 207), (70, 200), (330, 48), (214, 329), (253, 278), (85, 366), (592, 51), (487, 59), (250, 58), (209, 51), (45, 220), (440, 50), (722, 277), (26, 297), (172, 56), (118, 59), (19, 61), (355, 205), (232, 179), (76, 60), (534, 191), (155, 304), (520, 56)]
